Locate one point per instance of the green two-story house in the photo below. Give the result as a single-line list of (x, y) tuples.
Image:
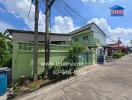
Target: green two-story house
[(93, 39)]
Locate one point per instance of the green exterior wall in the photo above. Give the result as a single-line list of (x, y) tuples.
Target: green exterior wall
[(23, 61), (90, 40), (98, 34)]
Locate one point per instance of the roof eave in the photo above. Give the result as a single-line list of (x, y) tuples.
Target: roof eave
[(11, 31)]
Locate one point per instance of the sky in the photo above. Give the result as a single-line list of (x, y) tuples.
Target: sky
[(14, 15)]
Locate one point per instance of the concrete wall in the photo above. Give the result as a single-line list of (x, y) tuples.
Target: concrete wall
[(22, 64)]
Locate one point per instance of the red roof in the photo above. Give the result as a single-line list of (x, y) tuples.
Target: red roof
[(115, 45)]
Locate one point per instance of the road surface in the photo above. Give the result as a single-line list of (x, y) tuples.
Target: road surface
[(112, 81)]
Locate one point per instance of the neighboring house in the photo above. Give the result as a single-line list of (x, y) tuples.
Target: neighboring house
[(90, 36), (115, 47)]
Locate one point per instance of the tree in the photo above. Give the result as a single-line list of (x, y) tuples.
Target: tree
[(72, 58), (5, 48)]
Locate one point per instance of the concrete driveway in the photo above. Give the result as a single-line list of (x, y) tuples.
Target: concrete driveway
[(112, 81)]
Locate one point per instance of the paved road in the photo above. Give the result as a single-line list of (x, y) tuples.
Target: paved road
[(112, 81)]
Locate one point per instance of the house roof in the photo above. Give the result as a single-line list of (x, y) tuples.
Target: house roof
[(89, 26), (114, 45), (11, 31), (86, 27), (117, 7)]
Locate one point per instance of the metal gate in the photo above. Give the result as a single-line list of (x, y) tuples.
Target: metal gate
[(86, 58)]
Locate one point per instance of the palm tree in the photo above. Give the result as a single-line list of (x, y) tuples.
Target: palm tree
[(5, 48)]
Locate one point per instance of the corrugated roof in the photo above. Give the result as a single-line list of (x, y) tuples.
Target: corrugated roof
[(11, 31)]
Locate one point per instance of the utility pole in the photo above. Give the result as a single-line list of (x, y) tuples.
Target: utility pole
[(48, 5), (35, 64), (47, 41), (119, 41)]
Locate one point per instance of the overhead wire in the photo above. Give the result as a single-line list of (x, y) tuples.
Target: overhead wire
[(30, 8), (73, 15), (68, 6), (60, 9), (70, 11)]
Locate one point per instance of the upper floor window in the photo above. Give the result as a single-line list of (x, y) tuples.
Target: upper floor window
[(85, 37)]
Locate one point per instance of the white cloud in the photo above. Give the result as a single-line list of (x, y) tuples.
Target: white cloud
[(4, 26), (124, 33), (63, 25), (20, 9)]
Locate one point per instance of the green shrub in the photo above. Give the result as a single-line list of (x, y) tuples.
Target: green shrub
[(72, 59), (53, 69), (69, 64), (118, 55), (5, 57), (5, 50), (123, 54)]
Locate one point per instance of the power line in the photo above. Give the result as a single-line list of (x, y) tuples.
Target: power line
[(83, 19), (71, 13), (63, 10), (68, 10), (68, 6), (32, 2), (30, 8)]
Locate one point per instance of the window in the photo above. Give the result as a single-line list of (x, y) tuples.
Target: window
[(85, 37)]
